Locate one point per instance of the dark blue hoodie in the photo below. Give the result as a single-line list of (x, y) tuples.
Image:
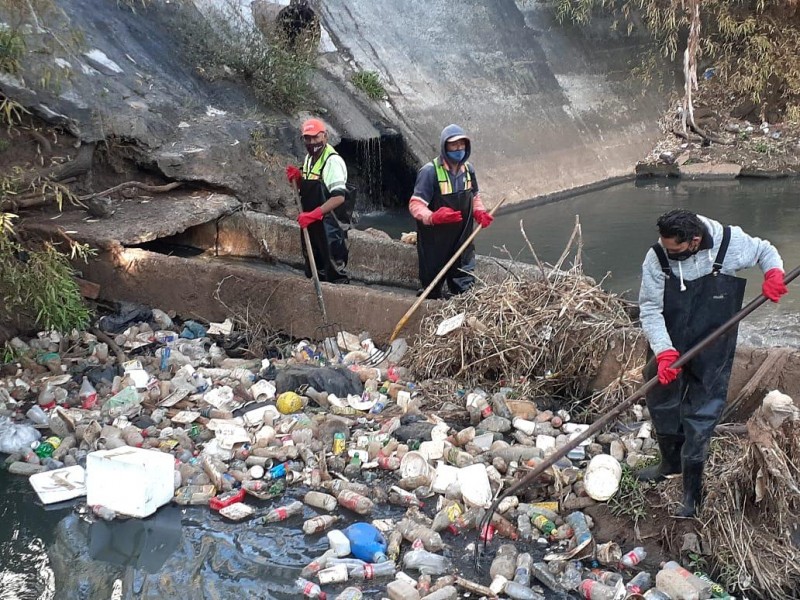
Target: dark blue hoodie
[(426, 177)]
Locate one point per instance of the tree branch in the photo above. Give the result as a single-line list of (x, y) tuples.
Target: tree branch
[(155, 189)]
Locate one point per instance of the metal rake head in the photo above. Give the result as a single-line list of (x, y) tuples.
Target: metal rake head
[(330, 334)]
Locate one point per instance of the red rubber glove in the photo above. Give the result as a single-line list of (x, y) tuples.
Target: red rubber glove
[(773, 286), (294, 175), (445, 216), (483, 218), (666, 375), (307, 218)]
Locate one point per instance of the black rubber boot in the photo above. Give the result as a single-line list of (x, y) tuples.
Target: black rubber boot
[(692, 490), (670, 447)]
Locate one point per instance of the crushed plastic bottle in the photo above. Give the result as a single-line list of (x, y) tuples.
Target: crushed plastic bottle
[(632, 558), (282, 513), (371, 571), (309, 589), (87, 395), (426, 562)]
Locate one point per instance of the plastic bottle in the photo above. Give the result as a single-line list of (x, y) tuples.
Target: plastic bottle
[(478, 402), (505, 562), (704, 587), (281, 513), (717, 591), (633, 558), (355, 502), (401, 590), (350, 593), (524, 527), (543, 524), (320, 500), (447, 592), (517, 591), (594, 590), (87, 395), (316, 565), (458, 458), (411, 531), (446, 516), (640, 583), (319, 524), (426, 562), (339, 543), (46, 448), (580, 528), (499, 406), (393, 545), (366, 542), (571, 576), (674, 585), (37, 415), (371, 571), (133, 436), (540, 571), (400, 497), (310, 589), (504, 527), (467, 521), (333, 573), (424, 584), (522, 572), (655, 594)]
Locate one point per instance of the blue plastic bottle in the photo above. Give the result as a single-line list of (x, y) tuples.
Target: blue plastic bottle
[(366, 542)]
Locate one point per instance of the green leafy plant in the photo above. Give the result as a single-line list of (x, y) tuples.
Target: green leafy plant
[(369, 82), (12, 47), (630, 500), (761, 146), (39, 284), (235, 48)]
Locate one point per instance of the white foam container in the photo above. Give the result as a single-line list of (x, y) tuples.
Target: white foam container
[(131, 481)]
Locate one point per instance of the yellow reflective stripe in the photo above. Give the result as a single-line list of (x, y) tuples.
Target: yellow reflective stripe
[(443, 177), (315, 172)]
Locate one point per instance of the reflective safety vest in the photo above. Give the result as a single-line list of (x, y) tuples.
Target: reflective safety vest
[(315, 172), (443, 177)]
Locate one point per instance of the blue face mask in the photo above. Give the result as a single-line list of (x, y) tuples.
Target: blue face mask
[(456, 155)]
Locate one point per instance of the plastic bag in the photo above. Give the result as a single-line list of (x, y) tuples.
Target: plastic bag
[(16, 437)]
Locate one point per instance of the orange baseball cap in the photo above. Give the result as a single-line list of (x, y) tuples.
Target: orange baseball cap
[(314, 127)]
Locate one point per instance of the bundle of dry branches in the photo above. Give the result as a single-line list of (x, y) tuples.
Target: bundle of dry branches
[(544, 336), (752, 506)]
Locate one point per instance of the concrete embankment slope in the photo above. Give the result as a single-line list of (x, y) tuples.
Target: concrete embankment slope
[(550, 107)]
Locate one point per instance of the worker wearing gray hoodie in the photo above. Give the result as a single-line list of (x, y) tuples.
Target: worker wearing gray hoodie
[(446, 203), (689, 288)]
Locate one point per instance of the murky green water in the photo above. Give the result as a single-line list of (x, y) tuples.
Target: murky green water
[(618, 226)]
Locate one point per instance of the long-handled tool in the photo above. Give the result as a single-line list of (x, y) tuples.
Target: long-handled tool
[(326, 330), (379, 356), (608, 417)]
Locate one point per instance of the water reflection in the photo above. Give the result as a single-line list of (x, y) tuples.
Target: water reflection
[(618, 226), (140, 543)]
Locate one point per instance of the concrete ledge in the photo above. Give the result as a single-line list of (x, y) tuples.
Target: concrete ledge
[(194, 287), (373, 259)]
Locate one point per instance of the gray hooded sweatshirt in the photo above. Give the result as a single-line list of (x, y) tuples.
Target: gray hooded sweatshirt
[(744, 251)]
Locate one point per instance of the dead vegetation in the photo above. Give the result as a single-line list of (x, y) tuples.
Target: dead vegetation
[(545, 337), (752, 505)]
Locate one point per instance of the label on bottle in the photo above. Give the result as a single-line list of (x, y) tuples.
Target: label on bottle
[(485, 412), (369, 571), (308, 588), (281, 512)]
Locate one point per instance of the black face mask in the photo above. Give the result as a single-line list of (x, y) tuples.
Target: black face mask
[(681, 255), (314, 149)]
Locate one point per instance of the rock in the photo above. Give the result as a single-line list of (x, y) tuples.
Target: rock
[(698, 171), (617, 450), (594, 449)]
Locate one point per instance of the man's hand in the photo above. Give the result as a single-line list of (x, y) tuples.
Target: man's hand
[(667, 375), (294, 175), (445, 216), (483, 218), (307, 218), (773, 286)]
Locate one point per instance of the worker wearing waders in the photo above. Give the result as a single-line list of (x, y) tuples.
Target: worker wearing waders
[(689, 288), (323, 190), (445, 204)]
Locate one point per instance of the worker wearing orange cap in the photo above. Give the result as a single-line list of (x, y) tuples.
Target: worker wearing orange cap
[(323, 190)]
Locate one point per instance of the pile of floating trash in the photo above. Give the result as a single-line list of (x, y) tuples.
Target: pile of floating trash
[(141, 412)]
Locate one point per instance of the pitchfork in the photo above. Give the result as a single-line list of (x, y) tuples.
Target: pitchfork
[(379, 355)]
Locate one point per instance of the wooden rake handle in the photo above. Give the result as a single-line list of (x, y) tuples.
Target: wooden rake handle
[(404, 319)]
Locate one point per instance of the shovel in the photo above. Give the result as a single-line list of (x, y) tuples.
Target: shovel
[(614, 413), (326, 330), (379, 355)]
